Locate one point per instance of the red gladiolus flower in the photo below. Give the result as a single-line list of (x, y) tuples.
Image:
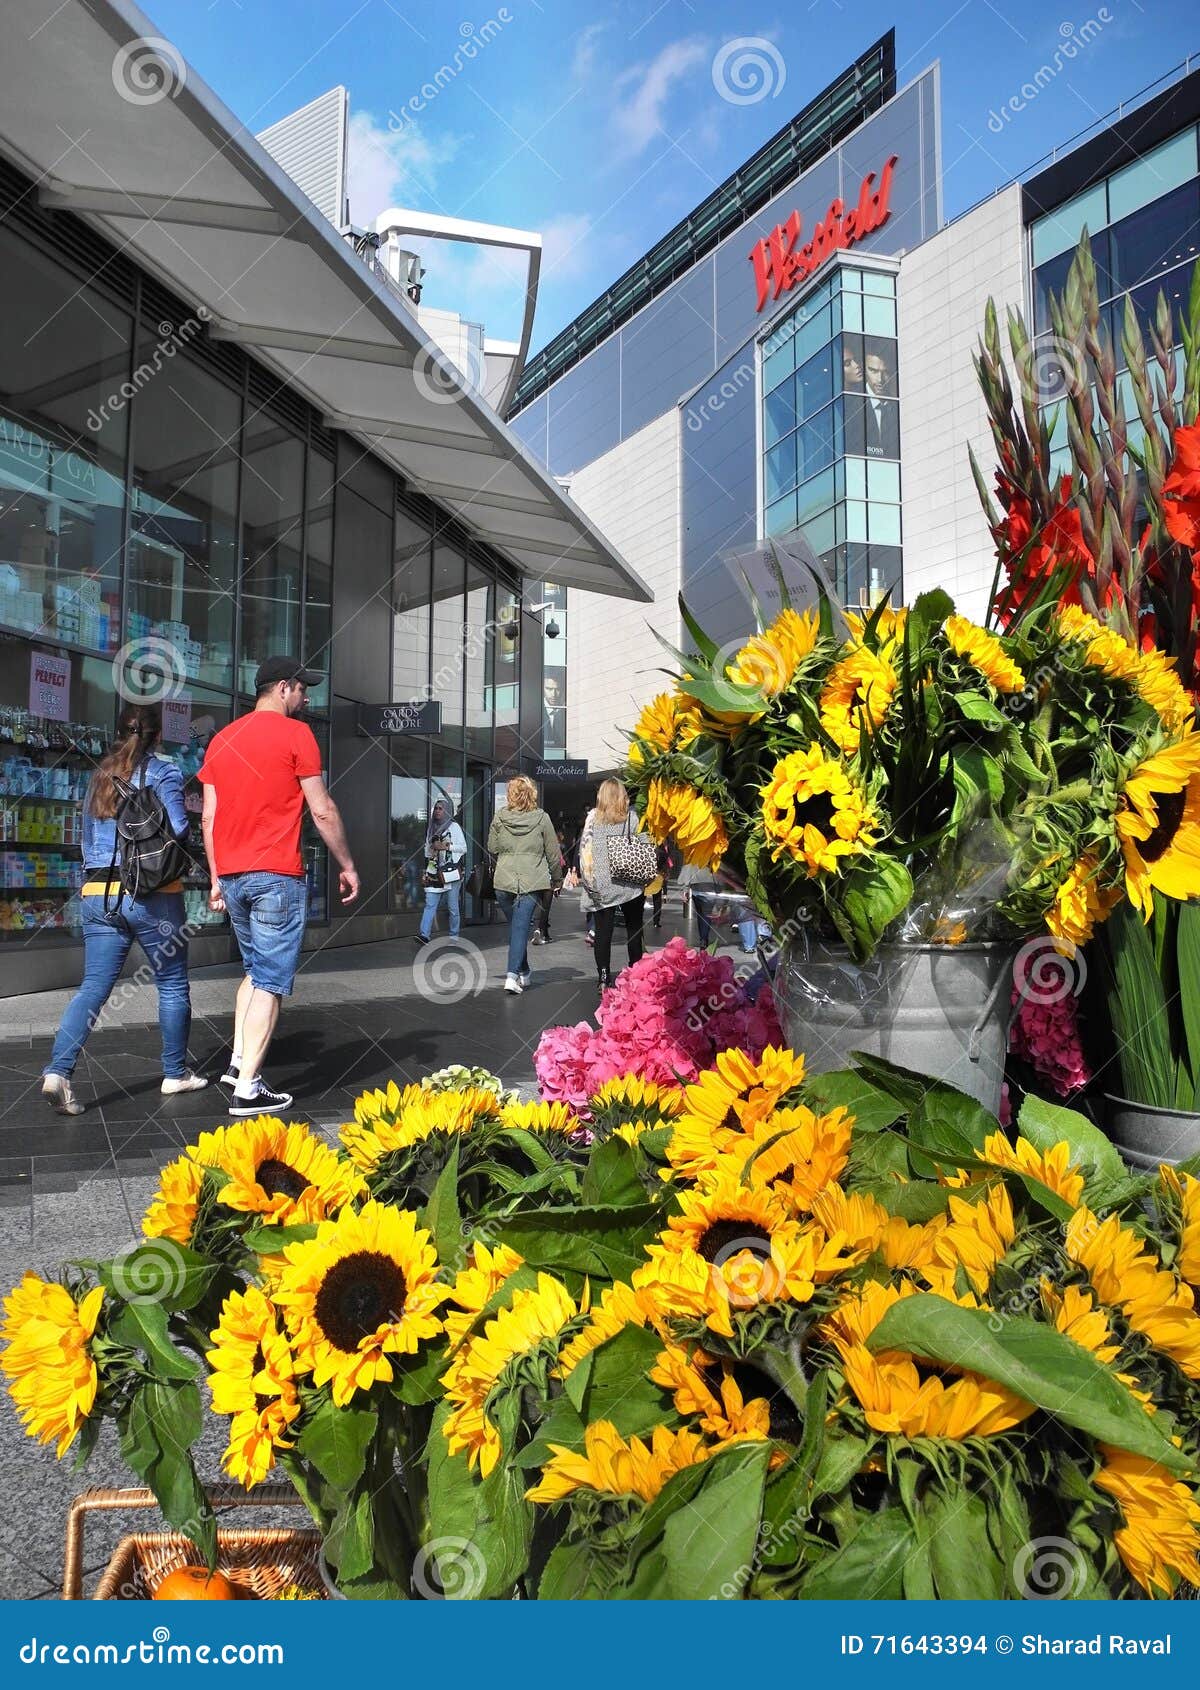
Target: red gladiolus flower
[(1181, 489), (1030, 557)]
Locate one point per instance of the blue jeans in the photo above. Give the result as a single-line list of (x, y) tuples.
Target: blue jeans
[(268, 913), (433, 897), (519, 910), (158, 925)]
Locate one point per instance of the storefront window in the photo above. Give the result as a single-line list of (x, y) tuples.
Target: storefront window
[(409, 818), (318, 579), (410, 609), (272, 530), (64, 381), (479, 659), (190, 720), (507, 673), (449, 580), (182, 556)]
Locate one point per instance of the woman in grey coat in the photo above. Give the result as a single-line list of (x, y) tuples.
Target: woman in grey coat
[(610, 820), (528, 861)]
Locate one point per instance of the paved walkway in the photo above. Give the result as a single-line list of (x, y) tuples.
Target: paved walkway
[(361, 1015)]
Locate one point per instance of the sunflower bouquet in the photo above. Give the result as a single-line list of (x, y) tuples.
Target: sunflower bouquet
[(766, 1335), (908, 775)]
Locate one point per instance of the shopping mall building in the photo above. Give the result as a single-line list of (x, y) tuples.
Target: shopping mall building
[(796, 355), (226, 433)]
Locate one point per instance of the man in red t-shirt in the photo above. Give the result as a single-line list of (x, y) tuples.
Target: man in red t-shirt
[(258, 774)]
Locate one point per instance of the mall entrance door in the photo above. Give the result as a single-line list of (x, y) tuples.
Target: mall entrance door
[(476, 819)]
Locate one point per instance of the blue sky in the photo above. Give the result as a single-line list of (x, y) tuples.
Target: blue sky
[(601, 125)]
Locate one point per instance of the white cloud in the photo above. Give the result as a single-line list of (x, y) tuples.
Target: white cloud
[(583, 60), (392, 166), (642, 92)]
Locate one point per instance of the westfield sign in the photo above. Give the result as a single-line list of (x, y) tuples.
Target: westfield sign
[(780, 261)]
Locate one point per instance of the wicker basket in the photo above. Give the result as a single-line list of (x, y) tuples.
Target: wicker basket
[(259, 1561)]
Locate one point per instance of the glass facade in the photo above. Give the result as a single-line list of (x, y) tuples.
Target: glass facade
[(168, 518), (831, 430)]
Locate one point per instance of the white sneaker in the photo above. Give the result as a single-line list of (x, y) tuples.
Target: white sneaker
[(60, 1094), (525, 976), (513, 983), (185, 1082)]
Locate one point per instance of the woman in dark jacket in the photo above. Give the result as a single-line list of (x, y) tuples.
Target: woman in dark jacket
[(528, 862)]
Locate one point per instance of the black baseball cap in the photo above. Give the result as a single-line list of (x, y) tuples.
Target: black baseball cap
[(285, 669)]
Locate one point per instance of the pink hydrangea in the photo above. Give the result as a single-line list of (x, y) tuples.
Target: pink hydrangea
[(1046, 1034), (665, 1020)]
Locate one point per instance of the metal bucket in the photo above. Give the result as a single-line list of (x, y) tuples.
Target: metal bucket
[(942, 1010), (1147, 1137)]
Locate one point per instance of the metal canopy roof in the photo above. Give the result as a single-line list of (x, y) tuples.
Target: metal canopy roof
[(114, 126)]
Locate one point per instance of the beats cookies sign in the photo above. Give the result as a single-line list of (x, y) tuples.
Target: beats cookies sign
[(780, 261)]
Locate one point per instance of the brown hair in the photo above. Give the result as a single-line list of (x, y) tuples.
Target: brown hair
[(612, 802), (522, 793), (139, 728)]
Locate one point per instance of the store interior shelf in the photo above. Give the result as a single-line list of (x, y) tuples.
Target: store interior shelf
[(59, 845)]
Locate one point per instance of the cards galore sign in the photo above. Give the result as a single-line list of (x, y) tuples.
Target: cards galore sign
[(780, 261)]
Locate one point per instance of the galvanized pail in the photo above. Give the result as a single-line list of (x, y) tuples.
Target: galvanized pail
[(1147, 1137), (943, 1010)]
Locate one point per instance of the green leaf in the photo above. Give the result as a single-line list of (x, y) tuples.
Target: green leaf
[(273, 1240), (1187, 958), (143, 1326), (336, 1440), (1137, 1009), (964, 1565), (705, 647), (929, 611), (869, 1567), (1038, 1363), (872, 1108), (350, 1541), (160, 1272), (709, 1546), (611, 1178), (871, 898), (1047, 1124), (443, 1217), (157, 1429), (489, 1514), (787, 1496), (571, 1574), (617, 1387), (606, 1243), (976, 708), (417, 1379)]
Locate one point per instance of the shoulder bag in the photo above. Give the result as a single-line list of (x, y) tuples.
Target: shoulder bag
[(632, 859)]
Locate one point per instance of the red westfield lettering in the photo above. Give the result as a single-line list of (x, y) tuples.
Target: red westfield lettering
[(780, 261)]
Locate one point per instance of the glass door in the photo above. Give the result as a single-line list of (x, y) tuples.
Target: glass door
[(476, 818)]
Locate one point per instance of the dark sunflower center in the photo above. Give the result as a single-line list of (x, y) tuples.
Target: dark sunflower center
[(260, 1402), (278, 1180), (725, 1238), (785, 1421), (816, 811), (731, 1121), (1170, 813), (358, 1295)]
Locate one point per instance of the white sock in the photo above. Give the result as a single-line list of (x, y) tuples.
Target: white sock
[(240, 1091)]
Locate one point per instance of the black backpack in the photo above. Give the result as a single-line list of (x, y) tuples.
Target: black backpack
[(147, 853)]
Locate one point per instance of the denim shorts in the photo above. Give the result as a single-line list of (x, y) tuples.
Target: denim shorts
[(268, 913)]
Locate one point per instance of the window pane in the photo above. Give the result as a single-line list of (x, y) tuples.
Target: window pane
[(1153, 176), (879, 282), (1060, 231), (410, 609), (856, 477), (819, 531), (879, 317), (856, 520), (779, 412), (1156, 238), (780, 474), (507, 647), (815, 444), (813, 335), (852, 312), (554, 710), (779, 337), (449, 577), (272, 529), (780, 518), (883, 479), (318, 596), (814, 383), (1175, 286), (779, 365), (815, 495), (884, 523), (64, 353), (409, 818), (477, 648), (851, 279), (848, 366)]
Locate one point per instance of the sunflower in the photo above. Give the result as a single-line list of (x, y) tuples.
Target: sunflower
[(768, 662), (889, 627), (1158, 824), (531, 1323), (284, 1173), (422, 1114), (174, 1206), (738, 1249), (252, 1379), (363, 1289), (630, 1093), (620, 1306), (974, 1239), (720, 1405), (983, 651), (1151, 674), (613, 1467), (814, 812), (1053, 1167), (668, 723), (1161, 1530), (1080, 902), (726, 1102), (1188, 1260), (867, 1226), (796, 1152), (1129, 1277), (675, 811), (857, 694), (475, 1285), (388, 1104), (891, 1390), (540, 1117), (48, 1362)]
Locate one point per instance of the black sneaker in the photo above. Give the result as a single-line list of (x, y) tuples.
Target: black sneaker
[(230, 1076), (264, 1102)]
